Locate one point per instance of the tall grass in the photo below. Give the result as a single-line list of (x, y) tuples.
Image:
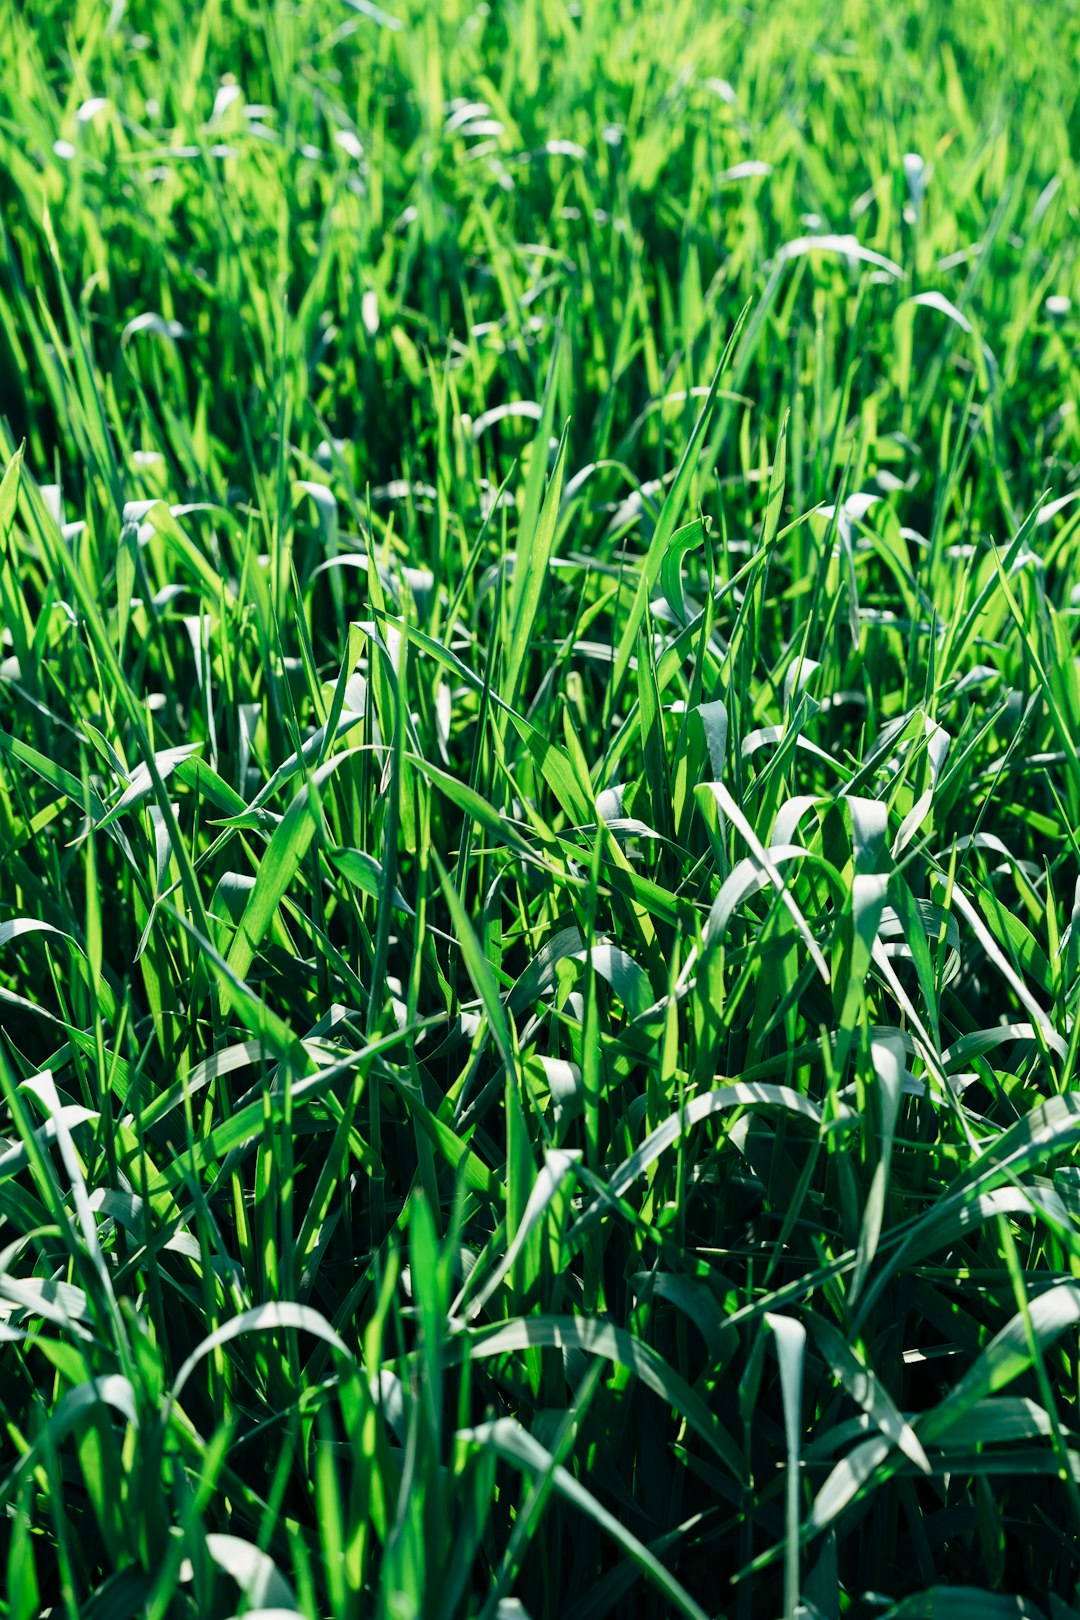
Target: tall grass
[(539, 799)]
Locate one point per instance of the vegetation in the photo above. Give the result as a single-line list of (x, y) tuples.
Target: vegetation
[(539, 809)]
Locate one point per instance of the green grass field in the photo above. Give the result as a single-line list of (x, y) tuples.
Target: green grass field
[(539, 809)]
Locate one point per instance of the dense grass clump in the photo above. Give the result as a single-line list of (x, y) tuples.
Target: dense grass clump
[(539, 809)]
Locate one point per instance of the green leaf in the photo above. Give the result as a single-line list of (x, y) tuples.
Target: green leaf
[(790, 1349), (278, 867), (616, 1345), (531, 572), (670, 512), (512, 1442)]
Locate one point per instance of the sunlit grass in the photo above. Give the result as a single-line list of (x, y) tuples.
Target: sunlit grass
[(539, 797)]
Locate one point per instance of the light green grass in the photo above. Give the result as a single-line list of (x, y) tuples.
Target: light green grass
[(538, 925)]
